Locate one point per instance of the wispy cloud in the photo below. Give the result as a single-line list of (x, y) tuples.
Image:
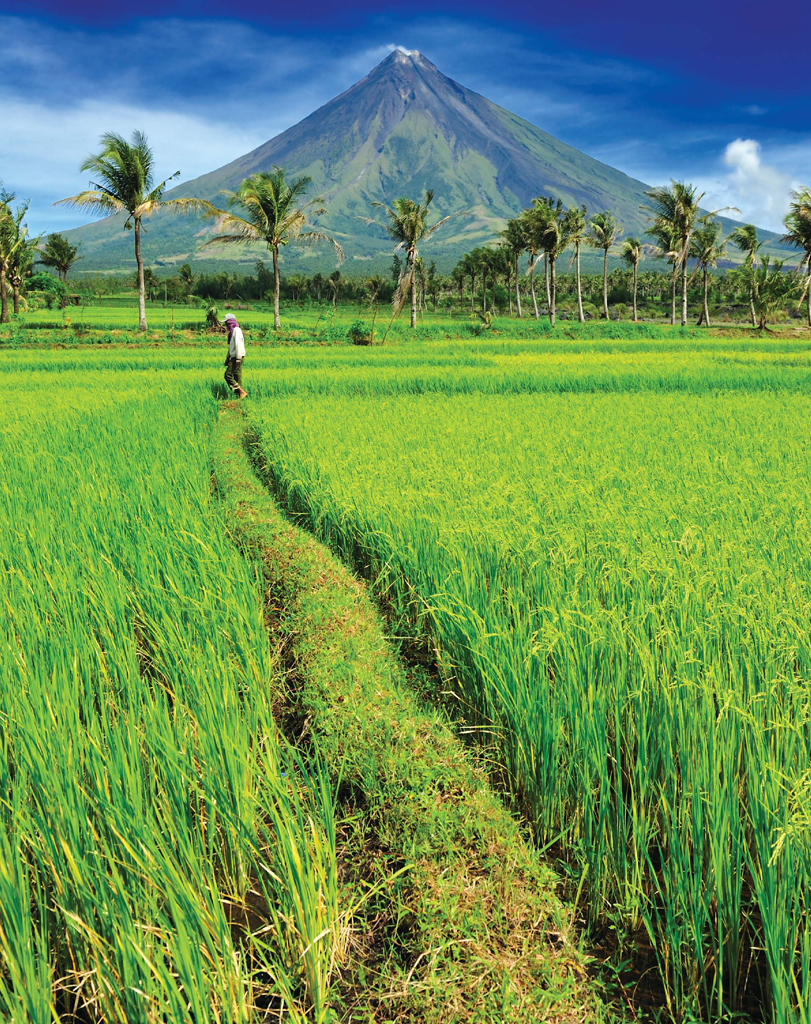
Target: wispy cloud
[(206, 91)]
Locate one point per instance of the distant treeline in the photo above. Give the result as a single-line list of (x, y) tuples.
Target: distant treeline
[(480, 284), (547, 238)]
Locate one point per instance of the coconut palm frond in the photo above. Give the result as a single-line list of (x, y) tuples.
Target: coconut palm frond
[(191, 205), (434, 227), (156, 194), (314, 237), (94, 201), (402, 291), (235, 231)]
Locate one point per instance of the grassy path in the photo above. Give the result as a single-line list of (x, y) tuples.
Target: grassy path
[(458, 921)]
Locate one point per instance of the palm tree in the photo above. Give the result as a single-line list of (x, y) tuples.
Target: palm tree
[(798, 223), (675, 207), (667, 247), (771, 287), (706, 248), (60, 255), (505, 262), (13, 236), (458, 275), (151, 283), (602, 233), (745, 238), (274, 214), (576, 232), (554, 240), (126, 185), (468, 268), (632, 254), (374, 285), (335, 282), (19, 267), (533, 227), (297, 283), (187, 276), (408, 226), (515, 244), (489, 266)]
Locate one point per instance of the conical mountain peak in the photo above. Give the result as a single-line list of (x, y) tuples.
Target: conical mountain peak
[(403, 68), (403, 128)]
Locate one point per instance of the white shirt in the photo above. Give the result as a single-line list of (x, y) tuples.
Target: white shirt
[(236, 343)]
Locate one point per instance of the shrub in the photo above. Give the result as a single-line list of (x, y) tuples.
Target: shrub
[(359, 333)]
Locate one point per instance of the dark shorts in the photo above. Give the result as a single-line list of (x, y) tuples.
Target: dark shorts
[(233, 373)]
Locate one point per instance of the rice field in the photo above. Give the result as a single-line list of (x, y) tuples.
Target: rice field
[(606, 541), (616, 578), (150, 813)]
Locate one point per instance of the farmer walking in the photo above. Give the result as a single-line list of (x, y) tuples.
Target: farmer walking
[(236, 353)]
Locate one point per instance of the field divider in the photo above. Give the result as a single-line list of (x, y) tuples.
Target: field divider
[(462, 921)]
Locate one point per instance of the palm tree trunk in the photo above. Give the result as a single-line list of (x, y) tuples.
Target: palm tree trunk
[(674, 280), (484, 290), (605, 283), (684, 282), (140, 264), (752, 306), (3, 296), (15, 291), (809, 289), (552, 290), (411, 258), (706, 311), (577, 277), (532, 289), (636, 280), (518, 284), (546, 280), (276, 321), (472, 291)]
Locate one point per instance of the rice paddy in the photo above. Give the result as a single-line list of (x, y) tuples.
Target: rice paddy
[(606, 543), (617, 586), (150, 812)]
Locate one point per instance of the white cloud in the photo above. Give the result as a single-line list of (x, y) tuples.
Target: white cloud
[(44, 147), (761, 190)]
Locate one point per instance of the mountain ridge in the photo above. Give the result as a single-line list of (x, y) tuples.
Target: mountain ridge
[(402, 128)]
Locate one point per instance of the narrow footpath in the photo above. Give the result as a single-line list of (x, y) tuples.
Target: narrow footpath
[(465, 924)]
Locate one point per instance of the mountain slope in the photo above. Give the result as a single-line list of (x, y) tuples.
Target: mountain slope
[(403, 128)]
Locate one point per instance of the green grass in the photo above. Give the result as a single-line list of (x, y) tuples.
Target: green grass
[(617, 585), (459, 919), (150, 811), (165, 852), (314, 320), (605, 542)]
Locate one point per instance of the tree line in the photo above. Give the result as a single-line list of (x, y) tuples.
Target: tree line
[(268, 209), (690, 241)]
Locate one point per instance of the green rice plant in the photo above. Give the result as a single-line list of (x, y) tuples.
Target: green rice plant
[(163, 852), (604, 540), (618, 592)]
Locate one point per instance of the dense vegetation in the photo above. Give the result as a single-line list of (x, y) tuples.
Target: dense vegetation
[(603, 542), (617, 591), (149, 805), (268, 209)]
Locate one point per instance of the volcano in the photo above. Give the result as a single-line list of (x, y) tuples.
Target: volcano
[(402, 129)]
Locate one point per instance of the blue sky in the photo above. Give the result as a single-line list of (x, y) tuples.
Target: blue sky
[(715, 94)]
